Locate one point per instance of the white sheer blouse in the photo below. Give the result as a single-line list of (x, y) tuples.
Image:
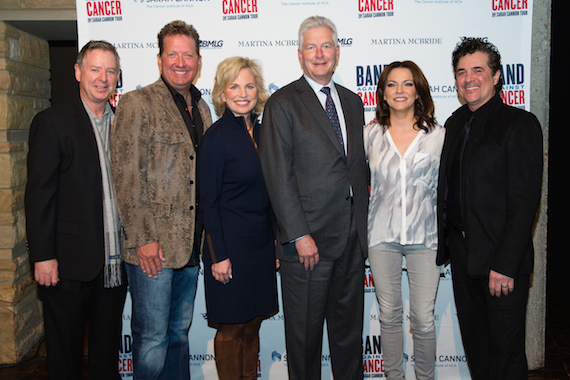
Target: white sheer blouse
[(403, 194)]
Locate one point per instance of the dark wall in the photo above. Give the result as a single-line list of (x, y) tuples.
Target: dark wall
[(62, 58)]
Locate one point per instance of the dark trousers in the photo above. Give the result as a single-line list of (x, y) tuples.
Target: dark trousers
[(492, 329), (68, 306), (333, 290)]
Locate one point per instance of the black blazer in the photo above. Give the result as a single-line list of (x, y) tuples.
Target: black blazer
[(502, 177), (308, 176), (64, 194)]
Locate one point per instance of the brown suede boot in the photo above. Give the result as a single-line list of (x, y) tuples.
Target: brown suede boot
[(229, 356), (250, 356)]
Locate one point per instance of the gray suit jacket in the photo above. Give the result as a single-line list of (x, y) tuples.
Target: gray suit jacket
[(308, 176), (154, 173)]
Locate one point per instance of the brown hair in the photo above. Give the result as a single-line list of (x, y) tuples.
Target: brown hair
[(101, 45), (178, 28), (423, 106)]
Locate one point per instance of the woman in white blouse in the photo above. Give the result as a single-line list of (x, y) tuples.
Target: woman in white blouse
[(403, 146)]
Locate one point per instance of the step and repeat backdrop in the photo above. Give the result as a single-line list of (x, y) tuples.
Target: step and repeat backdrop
[(372, 34)]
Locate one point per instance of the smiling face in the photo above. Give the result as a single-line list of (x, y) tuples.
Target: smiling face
[(179, 62), (400, 92), (318, 55), (475, 80), (97, 77), (241, 95)]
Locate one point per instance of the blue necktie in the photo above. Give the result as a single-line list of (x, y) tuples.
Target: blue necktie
[(333, 116)]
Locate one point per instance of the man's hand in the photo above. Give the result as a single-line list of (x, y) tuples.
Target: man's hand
[(308, 252), (150, 257), (46, 272), (222, 271), (499, 283)]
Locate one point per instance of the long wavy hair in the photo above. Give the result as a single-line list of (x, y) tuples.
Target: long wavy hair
[(423, 106)]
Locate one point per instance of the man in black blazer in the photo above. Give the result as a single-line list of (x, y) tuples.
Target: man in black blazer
[(489, 192), (72, 223), (315, 171)]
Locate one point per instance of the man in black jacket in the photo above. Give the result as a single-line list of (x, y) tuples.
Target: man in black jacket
[(489, 192), (74, 233)]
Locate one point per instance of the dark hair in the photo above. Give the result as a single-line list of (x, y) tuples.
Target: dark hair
[(101, 45), (178, 28), (471, 45), (423, 106)]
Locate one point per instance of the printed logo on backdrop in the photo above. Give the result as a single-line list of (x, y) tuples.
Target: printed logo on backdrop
[(342, 41), (239, 10), (508, 8), (514, 87), (104, 11), (272, 88), (276, 356), (366, 81), (372, 360), (407, 41), (126, 356), (300, 3), (201, 359), (368, 281), (114, 99), (212, 44), (450, 360), (205, 91), (443, 91), (345, 42), (375, 8), (445, 274), (169, 4), (135, 45), (266, 43)]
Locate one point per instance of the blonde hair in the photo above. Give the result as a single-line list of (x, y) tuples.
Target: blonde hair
[(227, 71)]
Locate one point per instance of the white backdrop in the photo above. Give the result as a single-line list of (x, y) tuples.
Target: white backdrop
[(372, 33)]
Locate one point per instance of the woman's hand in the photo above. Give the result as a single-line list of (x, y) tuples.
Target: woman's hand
[(222, 271)]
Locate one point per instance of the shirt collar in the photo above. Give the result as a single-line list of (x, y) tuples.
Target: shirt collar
[(317, 86), (194, 92), (106, 113)]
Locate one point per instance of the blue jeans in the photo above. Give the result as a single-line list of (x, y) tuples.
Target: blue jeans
[(423, 277), (161, 318)]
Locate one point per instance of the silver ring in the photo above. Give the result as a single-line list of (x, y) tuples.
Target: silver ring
[(504, 286)]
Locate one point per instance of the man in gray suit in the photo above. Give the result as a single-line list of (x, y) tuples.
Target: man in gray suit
[(313, 161)]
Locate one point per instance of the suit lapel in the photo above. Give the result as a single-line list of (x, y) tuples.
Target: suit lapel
[(85, 131), (311, 102)]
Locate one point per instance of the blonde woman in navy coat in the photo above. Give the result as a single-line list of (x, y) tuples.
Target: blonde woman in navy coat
[(239, 253)]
